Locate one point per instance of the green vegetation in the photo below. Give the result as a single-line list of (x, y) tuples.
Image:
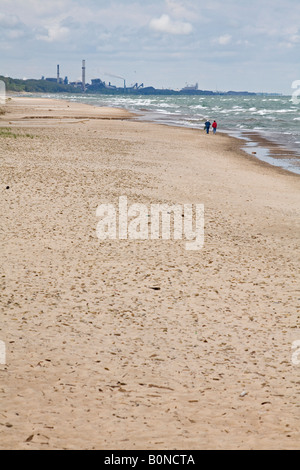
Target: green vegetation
[(37, 86), (7, 132), (44, 86)]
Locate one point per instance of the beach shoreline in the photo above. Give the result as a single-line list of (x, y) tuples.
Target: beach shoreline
[(252, 142), (140, 344)]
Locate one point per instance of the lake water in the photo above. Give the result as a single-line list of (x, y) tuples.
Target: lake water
[(269, 125)]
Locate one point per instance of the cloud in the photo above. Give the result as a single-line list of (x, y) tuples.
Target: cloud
[(295, 38), (183, 36), (165, 24), (54, 33), (179, 10), (12, 29), (224, 40), (8, 21)]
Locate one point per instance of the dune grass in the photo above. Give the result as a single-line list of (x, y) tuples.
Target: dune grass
[(7, 132)]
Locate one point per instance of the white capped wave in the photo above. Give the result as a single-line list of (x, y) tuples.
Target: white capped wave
[(199, 106)]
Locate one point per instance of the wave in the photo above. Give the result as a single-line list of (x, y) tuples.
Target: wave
[(275, 115)]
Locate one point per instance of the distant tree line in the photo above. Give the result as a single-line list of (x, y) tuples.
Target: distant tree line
[(37, 86), (45, 86)]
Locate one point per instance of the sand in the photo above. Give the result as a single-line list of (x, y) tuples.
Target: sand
[(98, 359)]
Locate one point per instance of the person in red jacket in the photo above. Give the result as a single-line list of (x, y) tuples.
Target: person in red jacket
[(214, 126)]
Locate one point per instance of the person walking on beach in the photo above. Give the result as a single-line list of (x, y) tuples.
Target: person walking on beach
[(207, 126), (214, 126)]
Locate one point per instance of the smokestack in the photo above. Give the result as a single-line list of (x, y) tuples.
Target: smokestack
[(58, 74), (83, 75)]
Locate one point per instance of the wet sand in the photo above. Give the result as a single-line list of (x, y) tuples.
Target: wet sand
[(96, 358)]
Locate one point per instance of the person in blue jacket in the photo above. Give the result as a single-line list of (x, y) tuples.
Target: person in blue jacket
[(207, 126)]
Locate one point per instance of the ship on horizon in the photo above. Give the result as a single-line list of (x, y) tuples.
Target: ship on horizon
[(190, 88)]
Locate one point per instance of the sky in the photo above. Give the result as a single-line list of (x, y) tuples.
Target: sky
[(241, 45)]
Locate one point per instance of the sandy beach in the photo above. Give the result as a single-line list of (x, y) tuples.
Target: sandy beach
[(126, 345)]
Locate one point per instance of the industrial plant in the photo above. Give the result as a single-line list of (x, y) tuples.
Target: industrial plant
[(98, 86), (96, 83)]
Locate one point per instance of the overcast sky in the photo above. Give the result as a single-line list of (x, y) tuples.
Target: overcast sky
[(238, 45)]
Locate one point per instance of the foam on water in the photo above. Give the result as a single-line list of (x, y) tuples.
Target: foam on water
[(275, 118)]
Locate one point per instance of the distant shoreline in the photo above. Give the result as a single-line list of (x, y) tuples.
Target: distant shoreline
[(45, 86)]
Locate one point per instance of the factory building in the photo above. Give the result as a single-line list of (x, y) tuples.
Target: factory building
[(57, 79), (83, 76), (95, 85), (82, 84)]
